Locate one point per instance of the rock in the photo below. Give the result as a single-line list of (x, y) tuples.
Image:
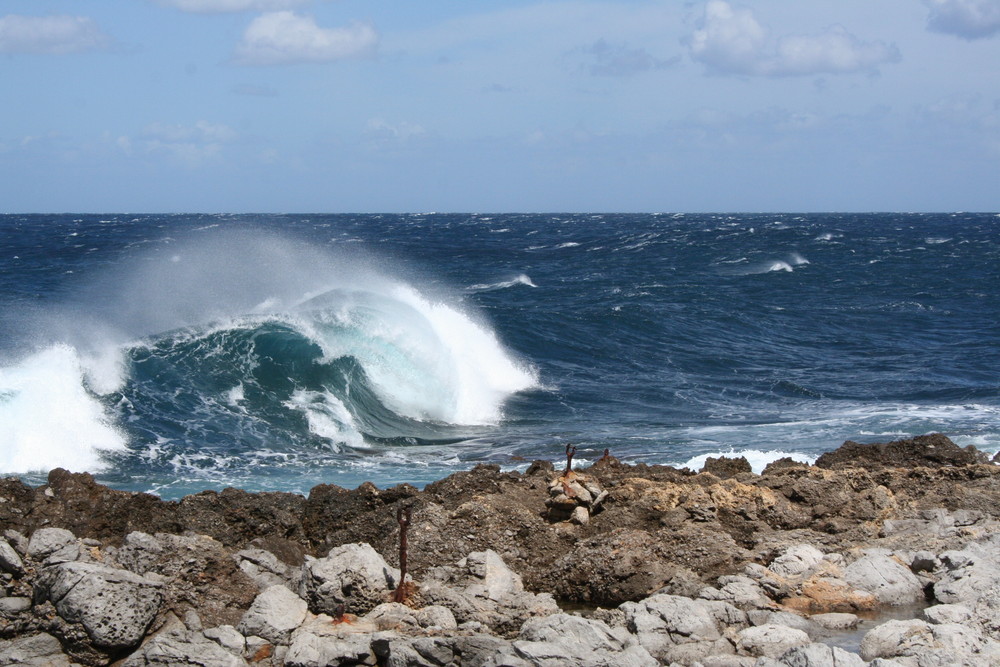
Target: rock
[(183, 647), (819, 655), (265, 568), (947, 613), (48, 542), (10, 561), (724, 467), (741, 592), (799, 560), (274, 615), (436, 617), (837, 622), (769, 640), (889, 580), (319, 642), (227, 637), (930, 451), (574, 497), (965, 574), (41, 650), (352, 578), (481, 588), (932, 645), (14, 605), (785, 618), (562, 639), (675, 628), (474, 650), (115, 606), (830, 594)]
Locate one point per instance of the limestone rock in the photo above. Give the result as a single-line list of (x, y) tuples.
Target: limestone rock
[(799, 560), (820, 655), (889, 580), (274, 614), (671, 628), (184, 647), (10, 561), (56, 543), (41, 650), (563, 639), (115, 606), (352, 578), (769, 640), (931, 645)]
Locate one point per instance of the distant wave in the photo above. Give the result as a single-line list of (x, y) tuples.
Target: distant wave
[(521, 279)]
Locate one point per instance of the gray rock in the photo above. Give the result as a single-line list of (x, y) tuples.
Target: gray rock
[(786, 618), (481, 588), (965, 574), (436, 617), (140, 551), (739, 591), (947, 613), (674, 628), (14, 605), (183, 647), (227, 637), (769, 640), (274, 615), (929, 645), (57, 544), (10, 561), (819, 655), (114, 606), (890, 581), (836, 621), (352, 575), (319, 643), (266, 569), (797, 561), (563, 639), (41, 650), (472, 651), (16, 540)]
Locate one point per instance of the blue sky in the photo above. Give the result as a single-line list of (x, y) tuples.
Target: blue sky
[(376, 106)]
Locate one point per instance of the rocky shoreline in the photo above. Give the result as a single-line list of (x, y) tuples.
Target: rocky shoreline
[(604, 564)]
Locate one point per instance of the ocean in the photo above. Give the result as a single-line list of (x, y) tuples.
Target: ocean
[(178, 353)]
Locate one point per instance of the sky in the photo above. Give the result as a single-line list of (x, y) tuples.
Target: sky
[(521, 106)]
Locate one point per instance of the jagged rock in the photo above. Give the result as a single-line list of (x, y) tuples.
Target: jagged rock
[(274, 614), (965, 574), (114, 605), (10, 561), (570, 641), (352, 577), (41, 650), (228, 638), (932, 451), (769, 640), (724, 467), (475, 650), (481, 588), (319, 642), (889, 580), (399, 617), (574, 497), (739, 591)]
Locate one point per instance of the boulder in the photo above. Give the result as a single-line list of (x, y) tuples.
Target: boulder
[(673, 628), (59, 543), (819, 655), (740, 591), (180, 646), (10, 561), (563, 639), (320, 641), (265, 568), (476, 650), (351, 578), (799, 560), (918, 642), (890, 581), (769, 640), (274, 614), (965, 574), (115, 606)]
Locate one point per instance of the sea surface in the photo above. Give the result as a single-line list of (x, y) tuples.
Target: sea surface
[(178, 353)]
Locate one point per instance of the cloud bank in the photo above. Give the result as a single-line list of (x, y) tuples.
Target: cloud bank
[(283, 38), (730, 40), (57, 35), (968, 19)]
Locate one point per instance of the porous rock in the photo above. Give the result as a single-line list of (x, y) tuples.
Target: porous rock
[(352, 577), (115, 606)]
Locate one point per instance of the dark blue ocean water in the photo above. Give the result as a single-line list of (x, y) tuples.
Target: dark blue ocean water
[(176, 353)]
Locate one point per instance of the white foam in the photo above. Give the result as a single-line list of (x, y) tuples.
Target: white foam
[(522, 279), (328, 417), (758, 459), (48, 419)]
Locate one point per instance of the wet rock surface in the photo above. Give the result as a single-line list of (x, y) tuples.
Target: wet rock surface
[(718, 567)]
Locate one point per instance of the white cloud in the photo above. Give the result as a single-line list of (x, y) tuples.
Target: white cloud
[(402, 131), (969, 19), (224, 6), (50, 34), (607, 59), (730, 40), (281, 38), (191, 145)]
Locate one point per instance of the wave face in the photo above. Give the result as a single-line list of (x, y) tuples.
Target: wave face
[(179, 353)]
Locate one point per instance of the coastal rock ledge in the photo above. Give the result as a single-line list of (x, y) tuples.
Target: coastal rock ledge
[(718, 568)]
